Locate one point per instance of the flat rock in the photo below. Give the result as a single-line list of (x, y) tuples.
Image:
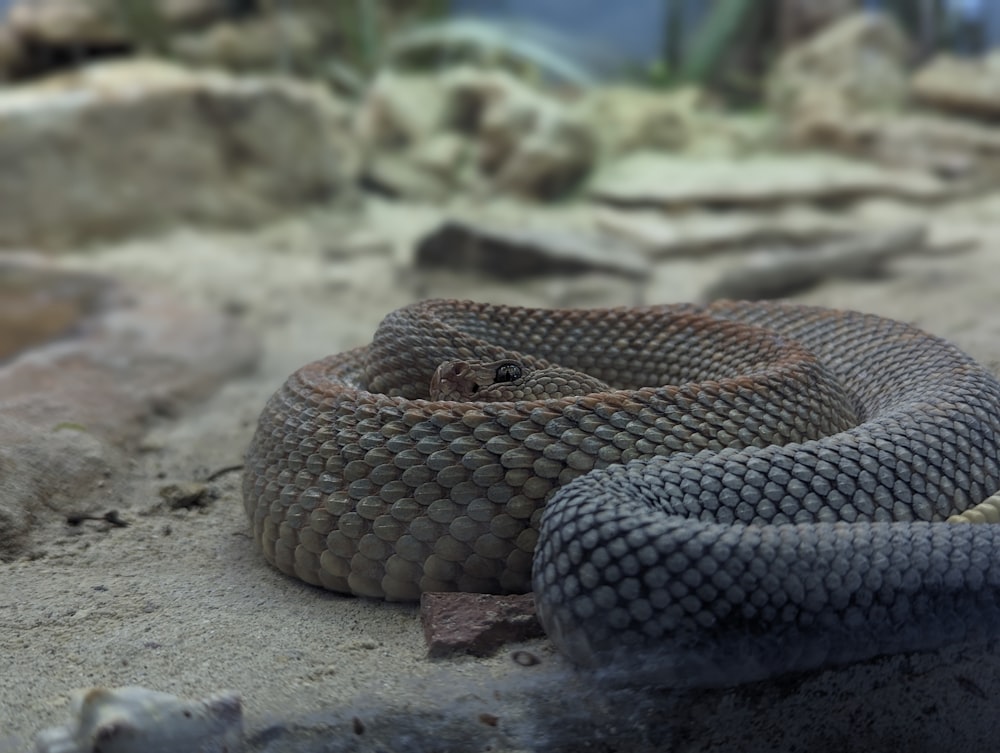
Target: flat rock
[(510, 252), (151, 144), (650, 179), (782, 272), (960, 85), (477, 624), (699, 233), (71, 411), (39, 303)]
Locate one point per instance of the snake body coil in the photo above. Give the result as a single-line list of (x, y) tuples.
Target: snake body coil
[(760, 487)]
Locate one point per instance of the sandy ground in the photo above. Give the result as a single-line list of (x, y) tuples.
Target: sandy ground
[(182, 602)]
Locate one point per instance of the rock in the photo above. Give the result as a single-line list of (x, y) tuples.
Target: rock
[(855, 65), (800, 19), (655, 180), (137, 720), (100, 22), (697, 233), (39, 303), (477, 624), (73, 409), (179, 495), (402, 177), (46, 472), (400, 110), (11, 52), (471, 131), (782, 272), (512, 251), (628, 118), (949, 147), (52, 34), (961, 86), (528, 144), (152, 144), (294, 39), (399, 117)]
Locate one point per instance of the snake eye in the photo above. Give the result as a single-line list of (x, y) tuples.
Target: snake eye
[(507, 372)]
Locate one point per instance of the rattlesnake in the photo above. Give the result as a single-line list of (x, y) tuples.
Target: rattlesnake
[(739, 489)]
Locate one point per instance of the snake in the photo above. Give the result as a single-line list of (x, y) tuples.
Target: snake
[(709, 494)]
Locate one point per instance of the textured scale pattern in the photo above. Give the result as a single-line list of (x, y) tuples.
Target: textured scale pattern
[(762, 487)]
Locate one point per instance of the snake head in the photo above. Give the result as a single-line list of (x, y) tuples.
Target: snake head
[(465, 381)]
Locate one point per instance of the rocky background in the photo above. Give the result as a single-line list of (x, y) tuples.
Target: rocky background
[(199, 196)]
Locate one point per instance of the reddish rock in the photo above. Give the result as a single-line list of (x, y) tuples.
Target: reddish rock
[(476, 624), (73, 410)]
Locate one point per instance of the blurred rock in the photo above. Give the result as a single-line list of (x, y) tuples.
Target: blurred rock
[(52, 34), (626, 118), (700, 233), (512, 251), (100, 22), (949, 147), (400, 110), (784, 271), (800, 19), (857, 64), (39, 303), (528, 145), (10, 52), (132, 147), (961, 86), (473, 131), (687, 120), (294, 40), (656, 180), (129, 719), (72, 411), (400, 119)]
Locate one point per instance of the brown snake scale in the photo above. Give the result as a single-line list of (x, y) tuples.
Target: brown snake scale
[(735, 490)]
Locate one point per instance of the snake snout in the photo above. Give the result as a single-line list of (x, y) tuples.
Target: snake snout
[(454, 380)]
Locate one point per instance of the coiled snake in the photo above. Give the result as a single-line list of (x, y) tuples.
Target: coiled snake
[(736, 490)]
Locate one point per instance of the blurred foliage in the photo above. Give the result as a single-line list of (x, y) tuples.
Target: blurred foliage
[(714, 37), (727, 45), (533, 52), (144, 23), (368, 24)]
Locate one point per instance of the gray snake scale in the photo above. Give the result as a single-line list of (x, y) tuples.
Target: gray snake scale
[(760, 488)]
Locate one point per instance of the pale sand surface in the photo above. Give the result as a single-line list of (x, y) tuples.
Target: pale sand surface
[(183, 602)]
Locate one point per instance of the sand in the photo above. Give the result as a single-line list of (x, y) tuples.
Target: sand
[(182, 602)]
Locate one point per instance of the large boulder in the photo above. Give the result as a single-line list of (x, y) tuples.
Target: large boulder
[(131, 147)]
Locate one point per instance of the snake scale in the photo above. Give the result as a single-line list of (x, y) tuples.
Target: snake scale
[(727, 491)]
